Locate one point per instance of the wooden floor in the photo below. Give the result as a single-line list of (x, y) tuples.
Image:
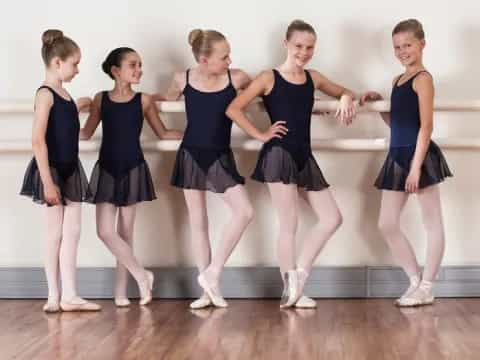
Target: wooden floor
[(248, 329)]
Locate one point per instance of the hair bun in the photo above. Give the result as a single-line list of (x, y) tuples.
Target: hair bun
[(194, 35), (49, 36), (297, 22)]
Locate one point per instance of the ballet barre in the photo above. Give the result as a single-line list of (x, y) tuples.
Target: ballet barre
[(331, 106), (318, 107), (245, 144), (334, 145)]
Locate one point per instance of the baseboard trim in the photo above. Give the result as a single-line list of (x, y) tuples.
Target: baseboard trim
[(251, 282)]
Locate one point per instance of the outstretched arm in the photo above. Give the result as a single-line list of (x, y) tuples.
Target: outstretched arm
[(371, 96), (93, 118), (346, 109), (83, 104), (150, 111), (175, 88)]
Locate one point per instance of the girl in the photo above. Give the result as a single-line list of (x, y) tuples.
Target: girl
[(55, 175), (414, 164), (204, 160), (286, 162), (121, 177)]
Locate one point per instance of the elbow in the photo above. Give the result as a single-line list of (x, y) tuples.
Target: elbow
[(230, 112), (427, 129), (163, 134), (37, 144), (159, 97)]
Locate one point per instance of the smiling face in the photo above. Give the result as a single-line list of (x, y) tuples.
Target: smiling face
[(219, 60), (408, 49), (130, 69), (300, 47)]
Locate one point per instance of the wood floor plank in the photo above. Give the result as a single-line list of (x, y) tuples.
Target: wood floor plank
[(249, 329)]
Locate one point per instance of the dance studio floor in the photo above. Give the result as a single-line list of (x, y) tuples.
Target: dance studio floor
[(249, 329)]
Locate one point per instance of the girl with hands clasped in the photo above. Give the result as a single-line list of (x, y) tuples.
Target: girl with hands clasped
[(55, 175), (414, 164), (121, 177), (205, 161), (286, 163)]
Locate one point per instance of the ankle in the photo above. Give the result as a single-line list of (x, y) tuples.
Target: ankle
[(53, 297), (69, 297), (212, 273), (141, 277), (415, 279), (303, 272), (426, 285), (289, 274)]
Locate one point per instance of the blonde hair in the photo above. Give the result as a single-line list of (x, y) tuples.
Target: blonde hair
[(411, 25), (202, 41), (299, 25), (54, 43)]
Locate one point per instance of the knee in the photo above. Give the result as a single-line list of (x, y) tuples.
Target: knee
[(245, 214), (105, 233), (335, 221), (388, 226), (55, 236), (434, 226), (127, 236)]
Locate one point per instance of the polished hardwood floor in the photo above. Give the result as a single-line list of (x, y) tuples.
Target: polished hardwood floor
[(248, 329)]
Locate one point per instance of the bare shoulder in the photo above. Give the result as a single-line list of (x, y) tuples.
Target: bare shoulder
[(97, 99), (316, 75), (238, 73), (423, 81), (424, 77), (266, 76), (265, 81), (44, 97), (240, 78), (180, 78), (147, 100)]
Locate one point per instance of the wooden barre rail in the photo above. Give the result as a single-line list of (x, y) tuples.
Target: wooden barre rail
[(319, 106), (345, 144)]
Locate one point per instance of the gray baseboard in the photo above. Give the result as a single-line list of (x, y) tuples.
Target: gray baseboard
[(251, 282)]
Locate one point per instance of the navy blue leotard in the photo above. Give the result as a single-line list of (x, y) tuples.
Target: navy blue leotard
[(205, 160), (289, 159), (61, 138), (404, 128), (121, 175)]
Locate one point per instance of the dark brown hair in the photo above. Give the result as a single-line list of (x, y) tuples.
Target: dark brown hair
[(114, 58)]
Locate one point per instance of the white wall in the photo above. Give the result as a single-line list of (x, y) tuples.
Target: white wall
[(354, 49)]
